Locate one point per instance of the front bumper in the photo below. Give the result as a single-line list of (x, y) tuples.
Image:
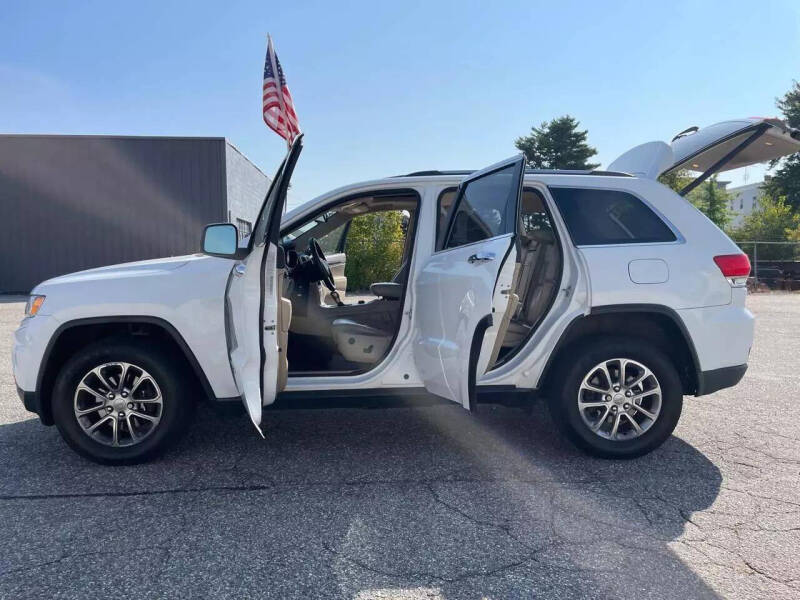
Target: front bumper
[(30, 343), (30, 400)]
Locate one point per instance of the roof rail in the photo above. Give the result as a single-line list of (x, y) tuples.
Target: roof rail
[(434, 173)]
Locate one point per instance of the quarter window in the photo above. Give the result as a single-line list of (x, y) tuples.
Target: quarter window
[(486, 208), (596, 217)]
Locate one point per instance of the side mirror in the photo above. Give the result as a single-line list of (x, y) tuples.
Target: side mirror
[(221, 239)]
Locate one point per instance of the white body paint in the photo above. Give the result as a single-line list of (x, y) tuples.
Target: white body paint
[(446, 296)]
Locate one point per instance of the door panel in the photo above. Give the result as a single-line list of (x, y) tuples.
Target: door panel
[(453, 295), (253, 297), (456, 288), (244, 298), (284, 320), (493, 340)]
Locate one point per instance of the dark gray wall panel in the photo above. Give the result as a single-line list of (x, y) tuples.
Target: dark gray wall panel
[(74, 202)]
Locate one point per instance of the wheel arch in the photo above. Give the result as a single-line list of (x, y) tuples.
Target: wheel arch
[(659, 324), (78, 333)]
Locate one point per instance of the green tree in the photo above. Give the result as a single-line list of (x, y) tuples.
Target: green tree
[(713, 201), (374, 248), (677, 180), (773, 221), (793, 235), (785, 181), (557, 145)]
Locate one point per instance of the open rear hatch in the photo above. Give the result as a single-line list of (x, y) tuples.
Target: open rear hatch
[(710, 150)]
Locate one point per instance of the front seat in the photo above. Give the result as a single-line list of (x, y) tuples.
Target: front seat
[(360, 343)]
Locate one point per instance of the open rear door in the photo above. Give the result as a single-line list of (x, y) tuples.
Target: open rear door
[(713, 149), (254, 308), (456, 288)]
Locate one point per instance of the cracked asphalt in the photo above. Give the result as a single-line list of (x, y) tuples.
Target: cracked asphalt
[(422, 502)]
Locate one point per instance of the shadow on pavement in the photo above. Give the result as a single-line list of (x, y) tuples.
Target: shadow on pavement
[(425, 502)]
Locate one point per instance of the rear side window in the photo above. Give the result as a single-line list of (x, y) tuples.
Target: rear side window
[(609, 217), (487, 208)]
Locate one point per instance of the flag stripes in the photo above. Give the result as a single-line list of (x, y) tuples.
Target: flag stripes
[(277, 105)]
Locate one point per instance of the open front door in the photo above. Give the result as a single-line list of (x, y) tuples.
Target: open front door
[(254, 307), (458, 289)]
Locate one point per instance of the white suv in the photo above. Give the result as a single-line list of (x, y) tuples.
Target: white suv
[(606, 289)]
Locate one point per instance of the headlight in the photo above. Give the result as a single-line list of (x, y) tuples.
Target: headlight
[(33, 305)]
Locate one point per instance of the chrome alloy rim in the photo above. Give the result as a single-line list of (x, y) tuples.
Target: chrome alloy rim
[(619, 399), (118, 404)]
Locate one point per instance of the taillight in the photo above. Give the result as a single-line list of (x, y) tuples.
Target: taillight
[(736, 267)]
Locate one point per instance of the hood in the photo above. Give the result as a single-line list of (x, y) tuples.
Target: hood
[(158, 288), (142, 268)]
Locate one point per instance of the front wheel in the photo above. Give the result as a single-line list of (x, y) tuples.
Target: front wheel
[(621, 397), (121, 401)]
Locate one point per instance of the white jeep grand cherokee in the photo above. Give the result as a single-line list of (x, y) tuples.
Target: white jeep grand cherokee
[(606, 289)]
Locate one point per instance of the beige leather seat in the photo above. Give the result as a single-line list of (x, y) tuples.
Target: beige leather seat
[(543, 277), (540, 268)]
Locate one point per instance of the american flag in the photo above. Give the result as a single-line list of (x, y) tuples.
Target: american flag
[(278, 109)]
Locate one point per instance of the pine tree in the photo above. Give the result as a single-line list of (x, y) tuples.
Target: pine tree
[(557, 145)]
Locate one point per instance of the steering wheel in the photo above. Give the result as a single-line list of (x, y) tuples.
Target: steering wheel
[(321, 266)]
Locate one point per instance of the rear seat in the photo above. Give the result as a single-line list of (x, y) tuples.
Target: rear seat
[(540, 265)]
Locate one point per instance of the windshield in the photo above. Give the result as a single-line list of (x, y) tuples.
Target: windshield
[(289, 238)]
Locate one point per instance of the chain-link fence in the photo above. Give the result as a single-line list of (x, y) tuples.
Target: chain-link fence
[(775, 265)]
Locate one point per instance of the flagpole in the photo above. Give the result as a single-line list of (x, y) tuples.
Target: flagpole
[(274, 63)]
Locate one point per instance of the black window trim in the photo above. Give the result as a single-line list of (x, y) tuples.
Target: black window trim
[(440, 245), (445, 219), (526, 187), (679, 239)]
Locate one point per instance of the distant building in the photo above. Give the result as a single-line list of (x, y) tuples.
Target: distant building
[(744, 200), (69, 203)]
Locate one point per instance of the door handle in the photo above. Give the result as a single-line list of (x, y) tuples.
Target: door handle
[(239, 270), (481, 257)]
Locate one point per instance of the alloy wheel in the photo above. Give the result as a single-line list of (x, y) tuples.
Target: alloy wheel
[(619, 399), (118, 404)]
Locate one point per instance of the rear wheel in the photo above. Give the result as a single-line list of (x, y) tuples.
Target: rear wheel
[(121, 402), (621, 397)]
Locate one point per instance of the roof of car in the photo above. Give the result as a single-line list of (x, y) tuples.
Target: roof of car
[(436, 173)]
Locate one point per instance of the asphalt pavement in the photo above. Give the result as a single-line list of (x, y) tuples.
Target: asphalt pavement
[(423, 502)]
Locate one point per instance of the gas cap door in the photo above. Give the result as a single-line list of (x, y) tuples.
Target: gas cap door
[(648, 270)]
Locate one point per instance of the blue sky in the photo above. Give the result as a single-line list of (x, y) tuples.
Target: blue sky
[(387, 88)]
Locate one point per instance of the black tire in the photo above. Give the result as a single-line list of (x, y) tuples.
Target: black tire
[(569, 375), (172, 379)]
